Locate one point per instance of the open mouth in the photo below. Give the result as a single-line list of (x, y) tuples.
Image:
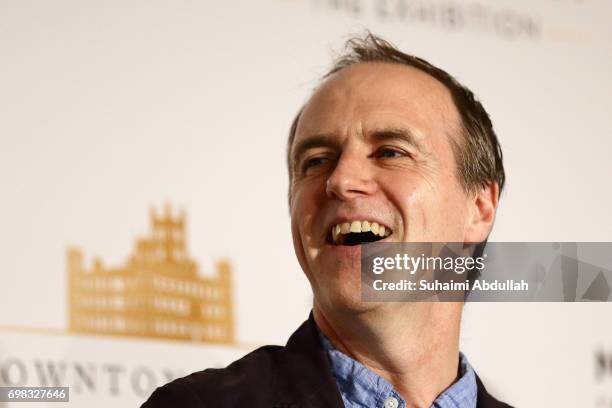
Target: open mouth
[(357, 232)]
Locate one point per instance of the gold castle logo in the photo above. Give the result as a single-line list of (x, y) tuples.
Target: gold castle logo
[(158, 293)]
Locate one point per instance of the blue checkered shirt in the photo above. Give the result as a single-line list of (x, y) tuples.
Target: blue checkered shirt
[(362, 388)]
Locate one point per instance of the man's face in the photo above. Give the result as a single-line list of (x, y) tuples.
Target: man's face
[(373, 145)]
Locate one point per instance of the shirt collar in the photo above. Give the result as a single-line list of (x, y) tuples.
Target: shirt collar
[(361, 387)]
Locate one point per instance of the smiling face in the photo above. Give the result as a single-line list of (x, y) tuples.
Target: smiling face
[(372, 159)]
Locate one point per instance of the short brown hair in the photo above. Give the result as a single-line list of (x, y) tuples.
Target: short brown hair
[(478, 154)]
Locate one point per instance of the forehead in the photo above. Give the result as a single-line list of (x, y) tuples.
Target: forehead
[(375, 95)]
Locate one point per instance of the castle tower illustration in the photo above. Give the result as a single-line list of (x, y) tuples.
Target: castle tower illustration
[(158, 293)]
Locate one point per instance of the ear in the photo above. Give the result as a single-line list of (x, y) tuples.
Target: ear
[(483, 207)]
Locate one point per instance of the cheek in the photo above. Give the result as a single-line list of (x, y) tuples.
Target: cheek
[(406, 199), (429, 211), (420, 215), (447, 216), (307, 197), (304, 207), (297, 235), (298, 215)]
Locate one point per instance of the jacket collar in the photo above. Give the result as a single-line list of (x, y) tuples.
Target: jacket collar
[(303, 375), (486, 400)]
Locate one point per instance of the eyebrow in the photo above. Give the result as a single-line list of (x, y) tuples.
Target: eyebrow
[(397, 134)]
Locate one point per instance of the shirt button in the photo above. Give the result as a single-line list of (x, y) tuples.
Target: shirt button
[(391, 403)]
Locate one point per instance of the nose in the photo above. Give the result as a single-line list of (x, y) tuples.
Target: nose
[(352, 178)]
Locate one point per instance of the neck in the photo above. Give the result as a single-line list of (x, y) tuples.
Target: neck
[(418, 355)]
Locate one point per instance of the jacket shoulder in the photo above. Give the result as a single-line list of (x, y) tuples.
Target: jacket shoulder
[(245, 382)]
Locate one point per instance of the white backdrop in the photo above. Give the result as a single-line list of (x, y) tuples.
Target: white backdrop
[(107, 108)]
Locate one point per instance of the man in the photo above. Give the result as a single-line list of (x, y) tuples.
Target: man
[(388, 148)]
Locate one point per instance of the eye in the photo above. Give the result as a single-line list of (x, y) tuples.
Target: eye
[(313, 162), (390, 153)]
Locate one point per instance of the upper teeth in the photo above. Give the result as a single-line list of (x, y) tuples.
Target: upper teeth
[(359, 226)]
